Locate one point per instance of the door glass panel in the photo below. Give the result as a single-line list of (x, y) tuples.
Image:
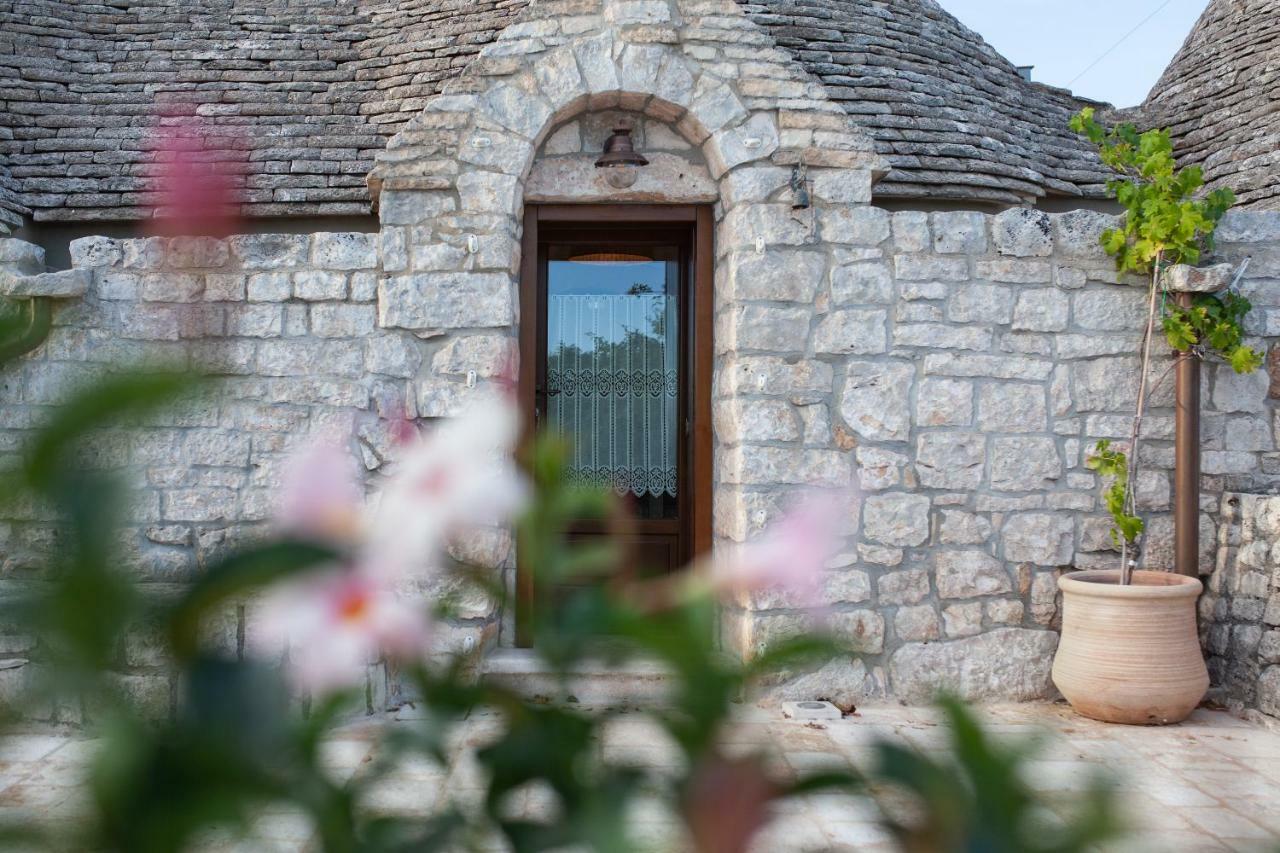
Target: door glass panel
[(612, 368)]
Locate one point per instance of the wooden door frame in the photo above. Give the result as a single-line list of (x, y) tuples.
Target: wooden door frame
[(701, 312)]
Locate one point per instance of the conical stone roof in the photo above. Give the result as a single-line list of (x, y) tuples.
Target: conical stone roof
[(310, 90), (954, 118), (1220, 98)]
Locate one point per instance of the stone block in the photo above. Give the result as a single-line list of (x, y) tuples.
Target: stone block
[(841, 186), (897, 518), (780, 275), (845, 586), (344, 251), (754, 139), (879, 467), (1042, 539), (269, 287), (1012, 407), (757, 465), (1110, 309), (738, 421), (950, 460), (1022, 232), (1007, 663), (962, 619), (941, 336), (855, 225), (1041, 310), (1105, 384), (436, 301), (255, 321), (963, 528), (970, 574), (64, 284), (316, 285), (1184, 278), (1079, 232), (980, 303), (411, 207), (1014, 270), (764, 327), (959, 232), (993, 366), (929, 268), (269, 251), (916, 624), (911, 230), (862, 629), (851, 331), (225, 287), (803, 382), (944, 402), (20, 257), (1024, 463), (342, 321), (875, 399), (904, 586), (861, 284), (94, 252), (1239, 392)]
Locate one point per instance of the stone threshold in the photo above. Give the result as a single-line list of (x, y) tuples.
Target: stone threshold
[(595, 683)]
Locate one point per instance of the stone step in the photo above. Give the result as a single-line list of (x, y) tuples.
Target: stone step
[(596, 683)]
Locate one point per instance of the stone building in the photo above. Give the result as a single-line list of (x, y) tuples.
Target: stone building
[(863, 253)]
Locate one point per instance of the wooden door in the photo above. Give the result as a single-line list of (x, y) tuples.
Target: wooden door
[(616, 359)]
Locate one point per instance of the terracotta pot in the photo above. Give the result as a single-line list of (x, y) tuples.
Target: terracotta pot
[(1130, 654)]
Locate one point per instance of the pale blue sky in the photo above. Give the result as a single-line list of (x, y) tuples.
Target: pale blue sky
[(1062, 37)]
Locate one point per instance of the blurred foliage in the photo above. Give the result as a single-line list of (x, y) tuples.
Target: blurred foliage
[(978, 798), (237, 742)]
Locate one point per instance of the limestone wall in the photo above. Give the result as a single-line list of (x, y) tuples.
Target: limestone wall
[(1240, 610), (955, 366), (959, 367), (285, 324)]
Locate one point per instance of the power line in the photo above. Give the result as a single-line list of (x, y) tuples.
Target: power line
[(1121, 41)]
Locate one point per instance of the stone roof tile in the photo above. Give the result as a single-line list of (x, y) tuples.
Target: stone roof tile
[(1220, 99)]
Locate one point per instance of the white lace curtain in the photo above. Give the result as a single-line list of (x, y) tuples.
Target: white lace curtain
[(612, 377)]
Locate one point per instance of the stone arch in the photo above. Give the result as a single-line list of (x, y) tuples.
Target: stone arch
[(451, 189)]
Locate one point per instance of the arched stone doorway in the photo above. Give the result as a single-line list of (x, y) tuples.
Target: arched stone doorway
[(730, 123)]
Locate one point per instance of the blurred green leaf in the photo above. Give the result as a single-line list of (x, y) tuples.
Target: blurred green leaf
[(104, 402)]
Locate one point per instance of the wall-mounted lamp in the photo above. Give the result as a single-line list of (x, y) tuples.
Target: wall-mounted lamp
[(620, 159), (799, 187)]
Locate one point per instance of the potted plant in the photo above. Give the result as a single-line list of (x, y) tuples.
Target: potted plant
[(1130, 652)]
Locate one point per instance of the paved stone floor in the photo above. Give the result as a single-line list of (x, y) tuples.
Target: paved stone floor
[(1211, 783)]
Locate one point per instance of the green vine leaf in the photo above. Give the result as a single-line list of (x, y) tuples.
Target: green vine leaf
[(1244, 359), (1163, 218), (1114, 464)]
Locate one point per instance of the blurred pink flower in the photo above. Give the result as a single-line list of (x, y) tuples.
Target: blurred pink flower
[(197, 176), (320, 494), (460, 473), (791, 555), (334, 624)]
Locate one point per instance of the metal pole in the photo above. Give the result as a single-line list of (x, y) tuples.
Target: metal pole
[(1186, 472)]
